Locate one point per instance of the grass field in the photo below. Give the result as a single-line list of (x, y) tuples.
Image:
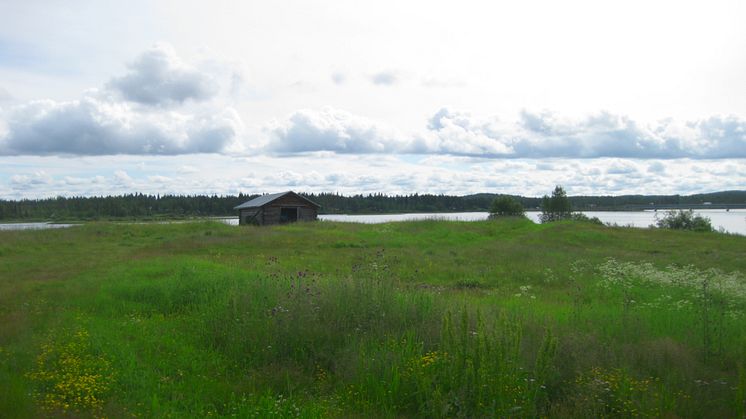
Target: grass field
[(415, 319)]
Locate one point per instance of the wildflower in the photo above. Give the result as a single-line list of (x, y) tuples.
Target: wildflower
[(69, 376)]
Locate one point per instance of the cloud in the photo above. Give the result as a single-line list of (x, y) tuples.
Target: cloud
[(29, 181), (721, 137), (5, 95), (385, 78), (94, 125), (122, 178), (599, 135), (339, 78), (656, 167), (460, 133), (532, 135), (607, 135), (20, 177), (334, 130), (442, 83), (160, 77), (112, 121), (623, 168), (546, 135), (159, 179), (187, 169), (72, 180)]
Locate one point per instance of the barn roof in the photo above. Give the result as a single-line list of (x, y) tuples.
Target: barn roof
[(266, 199)]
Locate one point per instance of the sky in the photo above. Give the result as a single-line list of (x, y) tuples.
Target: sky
[(604, 98)]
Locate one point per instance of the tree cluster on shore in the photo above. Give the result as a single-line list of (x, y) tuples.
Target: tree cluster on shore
[(558, 208)]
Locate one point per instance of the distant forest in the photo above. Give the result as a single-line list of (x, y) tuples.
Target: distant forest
[(139, 206)]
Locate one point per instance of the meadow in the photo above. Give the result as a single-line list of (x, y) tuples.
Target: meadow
[(499, 318)]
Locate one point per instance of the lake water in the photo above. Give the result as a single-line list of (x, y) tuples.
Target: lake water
[(32, 226), (733, 221)]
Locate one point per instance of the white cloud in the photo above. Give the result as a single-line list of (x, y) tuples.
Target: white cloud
[(122, 178), (351, 174), (532, 135), (622, 168), (101, 123), (656, 167), (339, 78), (71, 180), (39, 177), (546, 135), (94, 125), (460, 133), (385, 78), (333, 130), (159, 179), (442, 83), (160, 77), (608, 135), (5, 95), (187, 169)]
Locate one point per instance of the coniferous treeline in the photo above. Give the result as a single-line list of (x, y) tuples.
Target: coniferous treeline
[(123, 206), (142, 206)]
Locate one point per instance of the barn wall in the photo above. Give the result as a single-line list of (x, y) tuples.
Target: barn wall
[(270, 213), (307, 214), (248, 213)]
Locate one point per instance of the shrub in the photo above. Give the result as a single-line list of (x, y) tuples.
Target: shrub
[(506, 206), (579, 216), (684, 220), (557, 207)]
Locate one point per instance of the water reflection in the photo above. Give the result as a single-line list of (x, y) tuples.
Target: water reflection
[(33, 226)]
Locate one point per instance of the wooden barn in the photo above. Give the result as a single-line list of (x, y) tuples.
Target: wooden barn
[(279, 208)]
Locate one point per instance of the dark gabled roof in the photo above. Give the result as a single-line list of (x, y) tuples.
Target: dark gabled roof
[(266, 199)]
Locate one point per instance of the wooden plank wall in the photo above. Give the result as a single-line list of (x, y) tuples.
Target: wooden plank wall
[(270, 214), (248, 213), (307, 214)]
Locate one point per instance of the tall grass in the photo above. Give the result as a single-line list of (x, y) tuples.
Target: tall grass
[(420, 319)]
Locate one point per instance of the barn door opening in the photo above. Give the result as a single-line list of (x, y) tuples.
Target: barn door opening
[(288, 215)]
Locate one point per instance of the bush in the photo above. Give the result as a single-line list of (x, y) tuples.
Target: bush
[(504, 206), (684, 220), (579, 216), (557, 207)]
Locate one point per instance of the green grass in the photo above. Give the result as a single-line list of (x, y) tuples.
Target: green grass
[(413, 319)]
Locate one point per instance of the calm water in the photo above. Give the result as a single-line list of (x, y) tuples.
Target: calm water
[(733, 221), (32, 226), (385, 218)]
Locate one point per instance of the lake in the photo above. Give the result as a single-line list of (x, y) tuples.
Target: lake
[(32, 226), (733, 221)]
